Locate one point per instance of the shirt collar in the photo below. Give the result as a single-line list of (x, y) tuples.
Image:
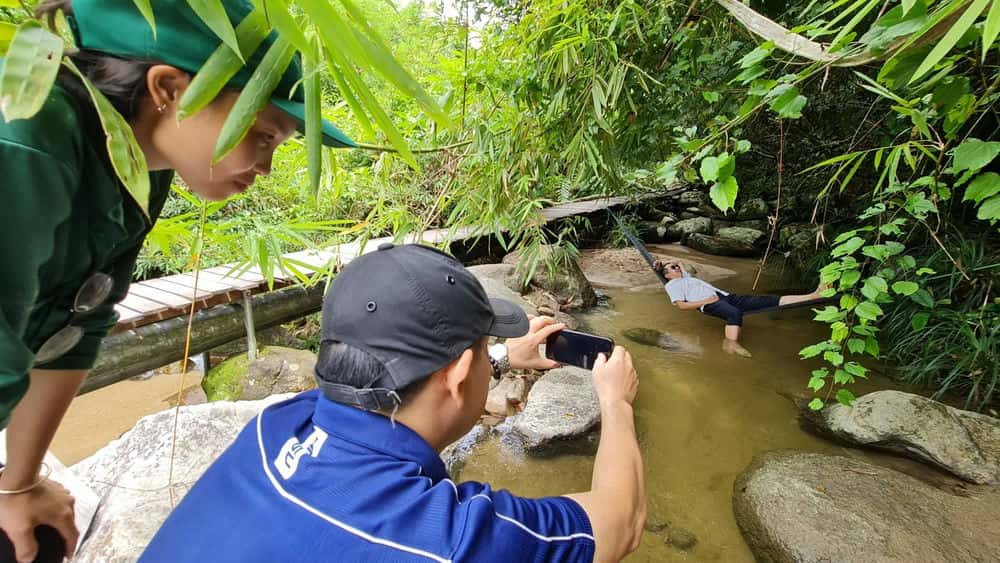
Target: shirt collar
[(376, 432)]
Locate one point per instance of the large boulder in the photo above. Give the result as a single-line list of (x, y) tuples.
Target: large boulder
[(567, 283), (964, 443), (683, 229), (562, 404), (495, 278), (798, 237), (753, 208), (276, 370), (669, 342), (652, 232), (131, 475), (730, 241), (692, 199), (809, 507), (507, 396)]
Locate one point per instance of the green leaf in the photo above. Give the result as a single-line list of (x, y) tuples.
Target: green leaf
[(955, 32), (742, 146), (974, 154), (925, 271), (848, 301), (756, 56), (845, 397), (922, 297), (126, 156), (709, 169), (848, 247), (907, 262), (816, 404), (816, 382), (991, 28), (871, 347), (222, 65), (855, 345), (833, 357), (814, 350), (213, 14), (841, 377), (990, 209), (279, 16), (710, 97), (985, 185), (907, 5), (905, 287), (7, 31), (29, 70), (147, 12), (723, 193), (856, 369), (868, 310), (254, 96), (839, 331), (849, 278), (789, 104), (312, 65), (727, 165), (919, 321)]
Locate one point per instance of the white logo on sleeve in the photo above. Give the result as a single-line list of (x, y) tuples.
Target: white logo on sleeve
[(287, 461)]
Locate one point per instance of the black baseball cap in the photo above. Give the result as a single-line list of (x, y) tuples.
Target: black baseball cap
[(413, 308)]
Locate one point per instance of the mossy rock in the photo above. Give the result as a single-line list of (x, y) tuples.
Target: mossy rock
[(276, 370)]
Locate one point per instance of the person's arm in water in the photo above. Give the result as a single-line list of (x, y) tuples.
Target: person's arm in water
[(616, 502)]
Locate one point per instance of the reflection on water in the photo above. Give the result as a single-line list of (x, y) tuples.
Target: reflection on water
[(700, 418)]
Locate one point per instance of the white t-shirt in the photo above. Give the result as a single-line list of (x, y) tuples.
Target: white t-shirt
[(690, 289)]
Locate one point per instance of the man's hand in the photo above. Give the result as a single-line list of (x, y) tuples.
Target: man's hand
[(522, 352), (658, 266), (48, 503), (614, 378)]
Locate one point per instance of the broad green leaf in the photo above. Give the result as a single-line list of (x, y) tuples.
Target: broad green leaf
[(907, 5), (213, 14), (848, 247), (848, 301), (709, 169), (845, 397), (871, 347), (849, 278), (222, 65), (279, 16), (789, 104), (126, 156), (29, 70), (991, 28), (723, 193), (975, 154), (727, 165), (951, 38), (742, 146), (312, 66), (816, 383), (842, 377), (872, 289), (989, 210), (868, 310), (919, 321), (828, 314), (984, 186), (253, 97), (147, 12), (756, 56), (922, 297), (855, 345), (7, 31), (839, 331), (905, 287), (814, 350), (710, 97), (816, 404), (856, 369)]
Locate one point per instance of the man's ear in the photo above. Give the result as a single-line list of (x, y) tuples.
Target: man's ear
[(455, 374)]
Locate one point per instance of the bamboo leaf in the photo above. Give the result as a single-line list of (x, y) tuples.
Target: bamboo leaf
[(312, 60), (222, 65), (350, 98), (279, 16), (7, 31), (992, 27), (126, 156), (29, 70), (213, 14), (951, 38), (146, 8), (254, 96)]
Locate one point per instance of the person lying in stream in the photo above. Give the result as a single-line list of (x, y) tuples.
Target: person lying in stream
[(688, 292)]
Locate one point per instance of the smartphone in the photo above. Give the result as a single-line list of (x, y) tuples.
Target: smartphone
[(577, 348)]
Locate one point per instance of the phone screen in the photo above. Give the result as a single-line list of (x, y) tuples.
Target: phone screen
[(577, 348)]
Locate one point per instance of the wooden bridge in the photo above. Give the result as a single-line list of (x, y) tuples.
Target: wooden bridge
[(153, 316)]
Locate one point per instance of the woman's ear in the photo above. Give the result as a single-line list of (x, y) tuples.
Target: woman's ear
[(166, 85)]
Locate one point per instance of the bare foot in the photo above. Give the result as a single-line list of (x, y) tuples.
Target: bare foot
[(734, 347)]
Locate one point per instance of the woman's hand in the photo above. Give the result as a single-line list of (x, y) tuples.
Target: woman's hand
[(48, 503), (522, 352)]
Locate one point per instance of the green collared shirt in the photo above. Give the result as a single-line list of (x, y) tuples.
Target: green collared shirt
[(65, 216)]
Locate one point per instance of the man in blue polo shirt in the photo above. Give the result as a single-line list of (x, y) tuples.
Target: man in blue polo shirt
[(351, 472)]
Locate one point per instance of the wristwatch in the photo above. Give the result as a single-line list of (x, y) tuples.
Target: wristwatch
[(499, 360)]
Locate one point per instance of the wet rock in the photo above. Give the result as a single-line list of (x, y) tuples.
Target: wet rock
[(567, 283), (692, 199), (757, 224), (798, 237), (809, 507), (131, 474), (683, 229), (650, 337), (668, 219), (503, 273), (562, 404), (652, 231), (681, 539), (964, 443), (276, 370), (454, 455), (507, 396), (730, 241), (753, 208), (493, 280)]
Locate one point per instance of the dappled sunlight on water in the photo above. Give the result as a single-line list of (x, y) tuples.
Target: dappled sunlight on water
[(700, 418)]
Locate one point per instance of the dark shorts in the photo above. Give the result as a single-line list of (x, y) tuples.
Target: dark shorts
[(732, 307)]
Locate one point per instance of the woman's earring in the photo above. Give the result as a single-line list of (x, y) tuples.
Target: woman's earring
[(161, 108)]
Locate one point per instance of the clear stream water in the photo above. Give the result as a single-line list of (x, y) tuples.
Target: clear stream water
[(701, 416)]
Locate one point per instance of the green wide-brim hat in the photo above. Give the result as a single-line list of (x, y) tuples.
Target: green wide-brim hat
[(182, 40)]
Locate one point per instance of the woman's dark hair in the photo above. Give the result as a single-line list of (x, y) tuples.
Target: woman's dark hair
[(357, 368), (122, 81)]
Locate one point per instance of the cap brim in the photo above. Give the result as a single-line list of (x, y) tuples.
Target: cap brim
[(509, 320), (332, 137)]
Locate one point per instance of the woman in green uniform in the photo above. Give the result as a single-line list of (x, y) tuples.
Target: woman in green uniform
[(72, 231)]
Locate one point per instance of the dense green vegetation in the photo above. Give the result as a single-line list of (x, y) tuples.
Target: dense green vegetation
[(549, 101)]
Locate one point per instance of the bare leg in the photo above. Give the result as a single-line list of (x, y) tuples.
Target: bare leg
[(731, 344), (789, 299)]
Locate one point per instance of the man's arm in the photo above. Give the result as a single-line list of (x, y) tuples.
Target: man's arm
[(689, 305), (616, 502)]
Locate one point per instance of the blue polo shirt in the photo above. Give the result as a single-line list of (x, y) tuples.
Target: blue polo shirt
[(313, 480)]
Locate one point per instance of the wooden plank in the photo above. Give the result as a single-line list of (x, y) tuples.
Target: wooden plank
[(165, 284), (126, 315), (166, 298), (230, 282), (143, 305), (203, 283), (227, 271)]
